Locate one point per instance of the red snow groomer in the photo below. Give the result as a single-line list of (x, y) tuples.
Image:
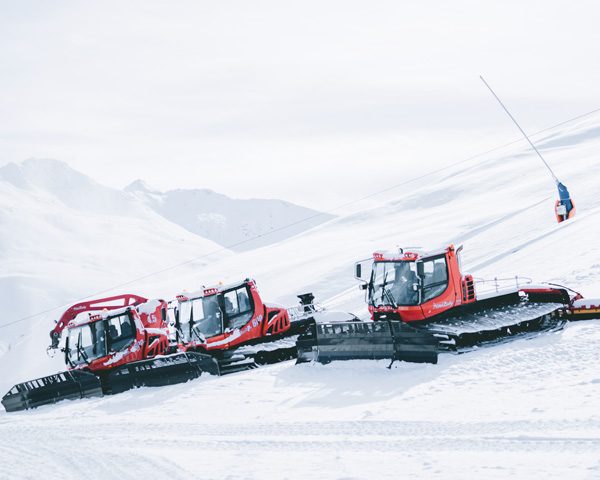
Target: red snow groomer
[(125, 342), (122, 343), (421, 303), (233, 324)]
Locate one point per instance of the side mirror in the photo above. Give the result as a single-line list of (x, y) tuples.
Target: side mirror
[(358, 269), (363, 286), (420, 269)]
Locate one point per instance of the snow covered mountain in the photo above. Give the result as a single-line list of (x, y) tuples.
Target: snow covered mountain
[(70, 187), (238, 224), (524, 409)]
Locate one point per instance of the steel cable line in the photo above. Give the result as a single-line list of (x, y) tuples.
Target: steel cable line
[(284, 227)]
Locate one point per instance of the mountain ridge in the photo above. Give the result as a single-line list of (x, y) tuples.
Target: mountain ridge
[(239, 224)]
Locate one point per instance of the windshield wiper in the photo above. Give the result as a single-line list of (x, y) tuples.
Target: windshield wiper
[(67, 351), (390, 298), (386, 292), (83, 354), (193, 331), (198, 334)]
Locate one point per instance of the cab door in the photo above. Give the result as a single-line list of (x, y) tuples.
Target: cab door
[(238, 307)]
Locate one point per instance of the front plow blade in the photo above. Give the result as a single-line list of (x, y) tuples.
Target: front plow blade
[(160, 371), (52, 389), (393, 340)]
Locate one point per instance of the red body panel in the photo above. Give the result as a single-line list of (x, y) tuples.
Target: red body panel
[(107, 303), (458, 291), (151, 339), (151, 335), (265, 321)]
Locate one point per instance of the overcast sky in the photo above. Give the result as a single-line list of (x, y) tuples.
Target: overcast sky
[(315, 102)]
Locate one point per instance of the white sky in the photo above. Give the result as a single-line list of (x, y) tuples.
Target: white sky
[(316, 102)]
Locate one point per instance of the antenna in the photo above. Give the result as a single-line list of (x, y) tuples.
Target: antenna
[(522, 131)]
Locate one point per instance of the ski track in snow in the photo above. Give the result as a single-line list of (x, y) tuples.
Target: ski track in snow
[(323, 448)]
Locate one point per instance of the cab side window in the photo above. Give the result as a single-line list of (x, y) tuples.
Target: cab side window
[(238, 308), (231, 303), (435, 281), (120, 332)]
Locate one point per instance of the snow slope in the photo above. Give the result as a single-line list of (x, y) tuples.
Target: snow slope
[(523, 409), (501, 207), (62, 237), (238, 223)]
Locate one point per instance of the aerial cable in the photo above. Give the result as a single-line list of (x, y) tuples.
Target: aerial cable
[(310, 217), (564, 207)]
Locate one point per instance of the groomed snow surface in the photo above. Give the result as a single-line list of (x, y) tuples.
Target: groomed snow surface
[(525, 409)]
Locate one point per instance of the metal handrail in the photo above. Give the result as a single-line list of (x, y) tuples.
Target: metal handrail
[(500, 283)]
